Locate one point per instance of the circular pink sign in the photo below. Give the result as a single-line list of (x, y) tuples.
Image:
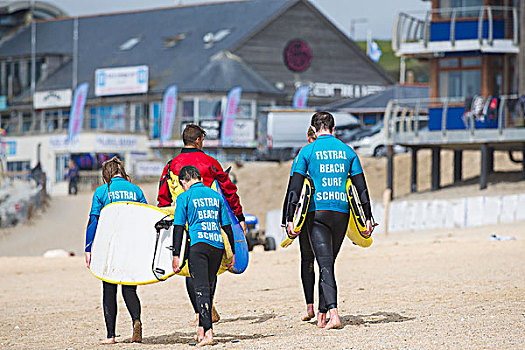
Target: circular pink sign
[(297, 55)]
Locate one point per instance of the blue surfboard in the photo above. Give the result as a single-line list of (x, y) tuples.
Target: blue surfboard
[(241, 246)]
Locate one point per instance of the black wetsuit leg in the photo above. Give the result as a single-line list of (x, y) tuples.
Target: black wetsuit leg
[(327, 235), (190, 288), (129, 293), (204, 262), (109, 303), (307, 260)]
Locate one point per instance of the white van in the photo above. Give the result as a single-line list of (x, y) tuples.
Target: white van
[(374, 144)]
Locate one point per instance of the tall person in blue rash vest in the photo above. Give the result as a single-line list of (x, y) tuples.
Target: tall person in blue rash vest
[(307, 255), (205, 212), (116, 188), (328, 161)]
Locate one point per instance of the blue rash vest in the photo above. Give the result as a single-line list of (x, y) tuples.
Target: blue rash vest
[(328, 161), (205, 212), (120, 190), (294, 163)]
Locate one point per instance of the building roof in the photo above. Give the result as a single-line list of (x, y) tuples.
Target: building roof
[(377, 102), (176, 43), (43, 9)]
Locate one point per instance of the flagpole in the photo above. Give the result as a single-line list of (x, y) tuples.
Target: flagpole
[(368, 41)]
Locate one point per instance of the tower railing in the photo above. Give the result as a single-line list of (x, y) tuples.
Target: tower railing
[(416, 27)]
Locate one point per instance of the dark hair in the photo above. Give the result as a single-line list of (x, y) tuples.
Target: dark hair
[(188, 173), (113, 167), (323, 120), (191, 133)]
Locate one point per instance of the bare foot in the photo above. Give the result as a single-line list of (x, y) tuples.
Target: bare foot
[(215, 317), (196, 322), (321, 320), (108, 341), (335, 322), (208, 338), (200, 334), (137, 332), (309, 313)]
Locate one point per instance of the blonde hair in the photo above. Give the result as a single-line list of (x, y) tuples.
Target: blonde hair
[(311, 133), (113, 167)]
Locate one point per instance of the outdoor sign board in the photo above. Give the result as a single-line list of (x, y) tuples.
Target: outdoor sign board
[(52, 99), (121, 80)]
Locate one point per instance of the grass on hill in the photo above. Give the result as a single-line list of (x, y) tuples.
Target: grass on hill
[(390, 63)]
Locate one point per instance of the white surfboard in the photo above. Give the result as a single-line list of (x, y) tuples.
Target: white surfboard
[(126, 249)]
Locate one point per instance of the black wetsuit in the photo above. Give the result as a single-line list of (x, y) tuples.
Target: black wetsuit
[(307, 254), (109, 302), (328, 162)]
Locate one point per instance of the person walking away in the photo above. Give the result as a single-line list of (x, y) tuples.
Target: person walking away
[(116, 180), (307, 254), (205, 212), (328, 161), (210, 170), (72, 176)]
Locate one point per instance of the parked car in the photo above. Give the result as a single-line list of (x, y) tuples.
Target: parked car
[(372, 143)]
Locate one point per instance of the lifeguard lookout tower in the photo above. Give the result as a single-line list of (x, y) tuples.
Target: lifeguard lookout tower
[(475, 56)]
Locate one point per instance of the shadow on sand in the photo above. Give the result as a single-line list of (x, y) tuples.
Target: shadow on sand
[(377, 317), (187, 338)]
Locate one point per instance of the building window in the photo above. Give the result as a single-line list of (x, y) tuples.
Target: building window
[(209, 108), (27, 122), (108, 118), (188, 109), (154, 120), (140, 116), (51, 119), (244, 110), (464, 8), (459, 77), (23, 165)]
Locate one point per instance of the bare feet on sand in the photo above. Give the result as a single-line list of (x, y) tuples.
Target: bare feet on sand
[(309, 313), (108, 341), (208, 338), (335, 322), (200, 334), (137, 332), (321, 320)]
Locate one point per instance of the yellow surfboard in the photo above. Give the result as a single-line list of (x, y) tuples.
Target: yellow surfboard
[(301, 211), (357, 221)]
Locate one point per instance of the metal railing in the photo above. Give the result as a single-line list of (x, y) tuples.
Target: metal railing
[(406, 116), (409, 28)]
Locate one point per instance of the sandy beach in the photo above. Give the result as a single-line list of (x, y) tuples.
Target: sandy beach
[(451, 289), (439, 289)]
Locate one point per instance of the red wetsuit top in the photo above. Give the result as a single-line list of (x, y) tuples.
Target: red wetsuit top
[(210, 170)]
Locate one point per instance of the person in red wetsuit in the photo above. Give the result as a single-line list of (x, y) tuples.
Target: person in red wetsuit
[(210, 170)]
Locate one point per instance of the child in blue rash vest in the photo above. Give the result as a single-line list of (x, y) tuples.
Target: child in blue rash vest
[(205, 212), (117, 188), (329, 162)]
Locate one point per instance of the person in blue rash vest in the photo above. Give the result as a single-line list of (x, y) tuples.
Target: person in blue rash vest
[(328, 161), (117, 188), (307, 254), (205, 212)]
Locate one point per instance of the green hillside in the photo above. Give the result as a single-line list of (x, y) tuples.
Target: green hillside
[(390, 62)]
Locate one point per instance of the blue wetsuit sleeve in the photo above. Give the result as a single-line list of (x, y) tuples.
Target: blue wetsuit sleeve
[(90, 231), (181, 214)]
